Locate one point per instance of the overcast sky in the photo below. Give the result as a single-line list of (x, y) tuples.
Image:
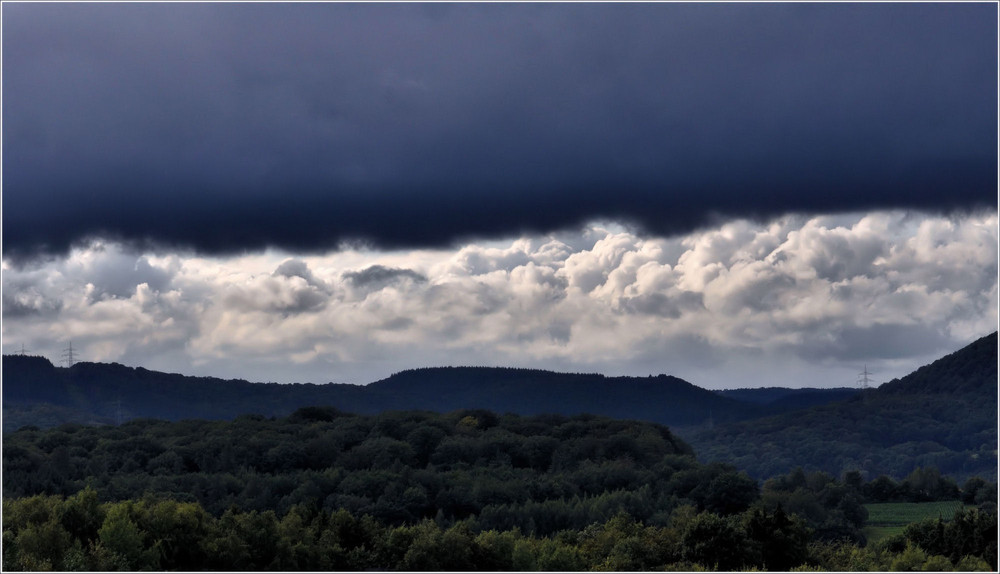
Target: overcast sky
[(737, 194)]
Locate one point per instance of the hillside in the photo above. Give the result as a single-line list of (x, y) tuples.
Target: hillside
[(968, 371), (37, 393), (107, 392), (662, 399), (780, 399), (943, 414)]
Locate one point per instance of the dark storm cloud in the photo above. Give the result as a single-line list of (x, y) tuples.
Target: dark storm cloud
[(227, 127)]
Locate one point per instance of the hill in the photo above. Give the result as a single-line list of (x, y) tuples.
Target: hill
[(969, 371), (662, 399), (943, 414), (109, 392), (37, 393)]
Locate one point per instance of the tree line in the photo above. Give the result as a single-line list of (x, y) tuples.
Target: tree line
[(79, 533)]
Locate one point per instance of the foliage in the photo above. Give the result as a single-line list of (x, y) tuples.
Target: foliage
[(832, 509), (326, 490), (970, 532), (540, 474), (942, 415), (161, 534), (921, 485)]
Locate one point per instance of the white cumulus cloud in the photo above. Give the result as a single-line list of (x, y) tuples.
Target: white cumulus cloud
[(794, 301)]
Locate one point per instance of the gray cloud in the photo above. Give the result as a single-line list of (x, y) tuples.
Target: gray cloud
[(378, 276), (662, 305), (118, 274), (27, 302), (876, 342), (298, 268), (285, 295)]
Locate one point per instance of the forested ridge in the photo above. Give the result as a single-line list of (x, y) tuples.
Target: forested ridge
[(322, 489), (36, 392), (943, 415)]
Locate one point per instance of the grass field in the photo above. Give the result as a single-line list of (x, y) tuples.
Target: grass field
[(889, 518)]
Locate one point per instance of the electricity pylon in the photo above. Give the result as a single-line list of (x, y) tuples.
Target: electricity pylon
[(864, 379), (69, 356)]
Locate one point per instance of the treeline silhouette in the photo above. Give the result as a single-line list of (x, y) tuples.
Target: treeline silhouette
[(94, 392)]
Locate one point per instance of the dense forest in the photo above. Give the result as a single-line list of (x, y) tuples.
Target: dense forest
[(942, 415), (321, 489), (779, 399), (396, 466)]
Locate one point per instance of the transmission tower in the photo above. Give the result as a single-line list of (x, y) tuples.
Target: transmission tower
[(864, 379), (23, 350), (69, 356)]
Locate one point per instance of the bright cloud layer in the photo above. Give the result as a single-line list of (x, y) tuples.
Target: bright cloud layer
[(796, 301)]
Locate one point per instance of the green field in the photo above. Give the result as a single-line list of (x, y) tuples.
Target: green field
[(888, 518)]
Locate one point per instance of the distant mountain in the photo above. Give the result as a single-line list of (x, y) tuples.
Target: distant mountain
[(36, 392), (110, 392), (99, 392), (943, 414), (662, 399)]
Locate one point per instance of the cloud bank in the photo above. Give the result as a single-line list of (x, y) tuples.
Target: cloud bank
[(795, 301), (231, 127)]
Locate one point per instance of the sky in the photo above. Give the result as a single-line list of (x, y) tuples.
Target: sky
[(735, 194)]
